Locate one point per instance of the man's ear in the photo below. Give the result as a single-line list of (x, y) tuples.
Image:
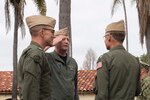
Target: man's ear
[(142, 70), (42, 33)]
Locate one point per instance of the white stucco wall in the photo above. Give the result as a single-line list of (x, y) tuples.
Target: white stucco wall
[(89, 97), (86, 96), (81, 96), (4, 96)]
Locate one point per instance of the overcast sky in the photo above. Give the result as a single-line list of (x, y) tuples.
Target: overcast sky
[(88, 18)]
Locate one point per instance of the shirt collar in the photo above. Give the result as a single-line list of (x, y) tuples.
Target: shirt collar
[(36, 44), (117, 47)]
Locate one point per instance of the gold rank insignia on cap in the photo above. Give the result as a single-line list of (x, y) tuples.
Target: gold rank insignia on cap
[(63, 31), (40, 20), (116, 26)]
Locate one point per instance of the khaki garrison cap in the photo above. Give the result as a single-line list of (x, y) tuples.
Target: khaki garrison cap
[(144, 65), (116, 27), (63, 31), (40, 20)]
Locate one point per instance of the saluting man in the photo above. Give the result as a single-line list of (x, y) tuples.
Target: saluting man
[(33, 69), (64, 69), (145, 82), (118, 72)]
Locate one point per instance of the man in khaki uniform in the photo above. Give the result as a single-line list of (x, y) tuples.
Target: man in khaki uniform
[(145, 82), (118, 72), (33, 69), (64, 70)]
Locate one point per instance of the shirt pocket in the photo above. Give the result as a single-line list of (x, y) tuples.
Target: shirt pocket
[(71, 71)]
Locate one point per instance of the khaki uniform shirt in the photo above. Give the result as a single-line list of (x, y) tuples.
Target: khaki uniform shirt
[(63, 77), (33, 74), (145, 89), (118, 76)]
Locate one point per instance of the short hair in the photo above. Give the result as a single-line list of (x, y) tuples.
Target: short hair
[(118, 35), (34, 30)]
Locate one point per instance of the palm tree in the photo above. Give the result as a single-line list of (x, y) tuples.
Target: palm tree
[(18, 6), (144, 23), (115, 3)]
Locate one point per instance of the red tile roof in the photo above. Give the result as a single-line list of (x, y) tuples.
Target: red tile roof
[(6, 81), (85, 81)]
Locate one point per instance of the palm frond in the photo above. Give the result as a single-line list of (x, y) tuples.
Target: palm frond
[(143, 11), (18, 6), (114, 6), (21, 16), (41, 5), (7, 16), (22, 26)]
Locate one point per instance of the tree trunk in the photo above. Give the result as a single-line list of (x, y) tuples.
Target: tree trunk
[(15, 44), (126, 24), (65, 19)]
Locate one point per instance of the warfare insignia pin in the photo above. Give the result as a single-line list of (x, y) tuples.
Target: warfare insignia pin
[(71, 68)]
